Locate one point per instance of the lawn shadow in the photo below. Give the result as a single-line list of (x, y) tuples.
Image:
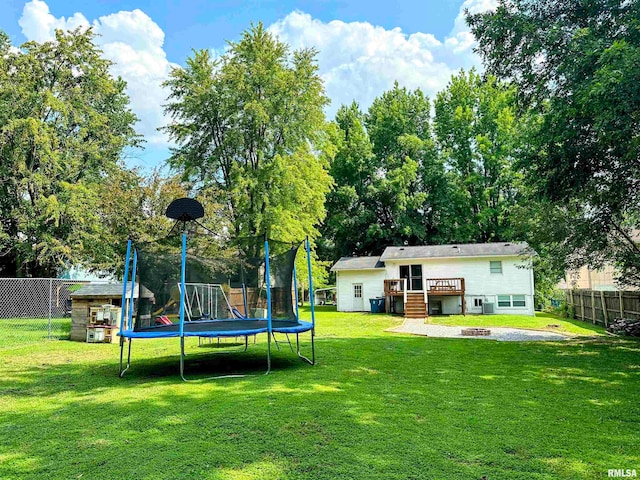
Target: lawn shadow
[(385, 407)]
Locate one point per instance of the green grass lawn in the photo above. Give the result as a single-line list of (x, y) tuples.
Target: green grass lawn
[(541, 321), (16, 332), (376, 406)]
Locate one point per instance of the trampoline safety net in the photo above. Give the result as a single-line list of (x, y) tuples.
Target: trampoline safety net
[(221, 283)]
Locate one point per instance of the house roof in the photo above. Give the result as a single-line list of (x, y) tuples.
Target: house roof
[(113, 290), (357, 263), (455, 250)]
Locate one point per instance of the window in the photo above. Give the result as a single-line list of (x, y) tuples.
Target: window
[(357, 291), (477, 302), (495, 267), (504, 301), (518, 301), (515, 301), (404, 271), (413, 274)]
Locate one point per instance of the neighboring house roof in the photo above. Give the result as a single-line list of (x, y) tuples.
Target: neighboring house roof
[(79, 273), (113, 290), (455, 250), (357, 263)]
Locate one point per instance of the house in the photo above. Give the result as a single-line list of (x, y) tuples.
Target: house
[(439, 279), (590, 279), (586, 278)]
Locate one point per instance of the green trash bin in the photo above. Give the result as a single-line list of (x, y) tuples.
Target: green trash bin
[(377, 305)]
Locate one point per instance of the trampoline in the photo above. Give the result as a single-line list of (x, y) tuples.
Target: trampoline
[(246, 287)]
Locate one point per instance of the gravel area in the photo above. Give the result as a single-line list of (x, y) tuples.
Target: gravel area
[(418, 327)]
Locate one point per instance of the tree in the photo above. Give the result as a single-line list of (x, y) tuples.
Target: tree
[(64, 123), (352, 169), (251, 124), (576, 65), (475, 126), (391, 186), (403, 179), (399, 129)]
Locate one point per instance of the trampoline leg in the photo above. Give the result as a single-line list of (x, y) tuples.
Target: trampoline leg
[(289, 341), (313, 349), (268, 354), (275, 340), (246, 343), (121, 372), (182, 358)]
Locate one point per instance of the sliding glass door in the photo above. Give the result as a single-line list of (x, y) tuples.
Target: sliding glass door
[(413, 274)]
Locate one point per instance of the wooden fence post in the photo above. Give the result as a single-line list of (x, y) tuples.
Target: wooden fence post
[(621, 304), (604, 309), (572, 302), (593, 307), (582, 305)]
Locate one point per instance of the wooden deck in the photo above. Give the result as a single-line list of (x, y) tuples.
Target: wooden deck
[(445, 286), (415, 301), (395, 287)]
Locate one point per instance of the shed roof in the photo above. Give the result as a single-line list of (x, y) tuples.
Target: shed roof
[(357, 263), (113, 290), (501, 249)]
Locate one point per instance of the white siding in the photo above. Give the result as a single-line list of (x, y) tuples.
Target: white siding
[(450, 304), (479, 281), (372, 286)]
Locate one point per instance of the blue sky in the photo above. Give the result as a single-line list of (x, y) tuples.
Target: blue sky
[(364, 45)]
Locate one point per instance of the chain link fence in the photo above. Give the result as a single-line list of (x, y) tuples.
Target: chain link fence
[(35, 309)]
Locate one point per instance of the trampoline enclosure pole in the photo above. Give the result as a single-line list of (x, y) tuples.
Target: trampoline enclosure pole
[(133, 288), (311, 299), (125, 279), (183, 275), (244, 300), (267, 275), (295, 286)]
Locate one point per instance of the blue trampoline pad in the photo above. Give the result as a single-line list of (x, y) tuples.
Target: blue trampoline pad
[(218, 328)]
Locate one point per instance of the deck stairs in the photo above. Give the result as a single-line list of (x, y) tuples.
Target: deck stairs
[(415, 306)]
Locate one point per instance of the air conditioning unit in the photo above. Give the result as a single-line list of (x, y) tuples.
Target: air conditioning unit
[(487, 308)]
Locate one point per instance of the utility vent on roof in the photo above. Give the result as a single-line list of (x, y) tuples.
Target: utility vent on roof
[(507, 244), (401, 248), (455, 246)]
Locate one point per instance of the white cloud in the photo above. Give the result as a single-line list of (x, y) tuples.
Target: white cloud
[(358, 60), (133, 41)]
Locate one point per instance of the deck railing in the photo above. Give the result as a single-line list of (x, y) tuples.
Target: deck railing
[(395, 286), (445, 286)]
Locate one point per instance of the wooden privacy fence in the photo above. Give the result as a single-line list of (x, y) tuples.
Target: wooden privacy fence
[(601, 307)]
